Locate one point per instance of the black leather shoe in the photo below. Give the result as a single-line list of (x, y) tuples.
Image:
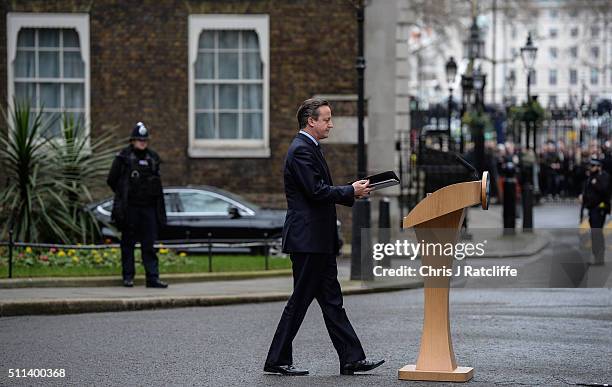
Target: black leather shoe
[(285, 370), (156, 283), (359, 366), (128, 283)]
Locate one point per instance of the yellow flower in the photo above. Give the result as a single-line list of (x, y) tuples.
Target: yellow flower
[(98, 259), (183, 254), (28, 250), (61, 253), (163, 251), (75, 259), (71, 252)]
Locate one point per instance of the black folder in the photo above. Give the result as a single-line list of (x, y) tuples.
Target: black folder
[(382, 180)]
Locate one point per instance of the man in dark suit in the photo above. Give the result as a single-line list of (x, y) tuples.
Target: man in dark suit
[(311, 238)]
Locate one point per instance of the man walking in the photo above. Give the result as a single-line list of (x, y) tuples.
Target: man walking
[(310, 237), (138, 206)]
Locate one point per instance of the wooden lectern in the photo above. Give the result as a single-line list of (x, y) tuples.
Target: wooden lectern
[(438, 219)]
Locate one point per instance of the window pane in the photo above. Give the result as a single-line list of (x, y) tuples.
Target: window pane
[(73, 118), (205, 66), (228, 39), (205, 97), (48, 64), (228, 65), (251, 97), (207, 39), (26, 92), (48, 37), (51, 124), (24, 64), (25, 37), (201, 202), (251, 66), (205, 125), (228, 125), (73, 65), (74, 95), (71, 38), (252, 125), (50, 95), (228, 96), (249, 40)]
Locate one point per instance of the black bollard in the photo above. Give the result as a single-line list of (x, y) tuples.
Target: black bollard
[(10, 263), (384, 227), (361, 259), (267, 264), (509, 173), (210, 268), (527, 194)]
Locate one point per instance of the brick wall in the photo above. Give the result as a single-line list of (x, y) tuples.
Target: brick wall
[(139, 73)]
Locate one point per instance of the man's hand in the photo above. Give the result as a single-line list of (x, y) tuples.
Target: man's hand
[(362, 188)]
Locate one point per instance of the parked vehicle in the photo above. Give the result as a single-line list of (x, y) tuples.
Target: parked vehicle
[(198, 214)]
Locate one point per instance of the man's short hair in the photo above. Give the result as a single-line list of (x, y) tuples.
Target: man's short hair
[(310, 108)]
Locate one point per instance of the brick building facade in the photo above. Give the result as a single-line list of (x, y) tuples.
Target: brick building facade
[(138, 70)]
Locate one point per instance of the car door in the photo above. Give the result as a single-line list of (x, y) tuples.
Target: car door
[(173, 230), (205, 214)]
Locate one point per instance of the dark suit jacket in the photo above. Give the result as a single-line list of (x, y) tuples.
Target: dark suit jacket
[(310, 225)]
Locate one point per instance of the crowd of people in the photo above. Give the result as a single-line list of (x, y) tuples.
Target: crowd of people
[(555, 170)]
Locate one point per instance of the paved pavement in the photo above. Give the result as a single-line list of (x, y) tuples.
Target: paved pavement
[(523, 337)]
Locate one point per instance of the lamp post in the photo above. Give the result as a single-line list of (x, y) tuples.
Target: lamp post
[(451, 73), (467, 88), (480, 80), (510, 82), (473, 48), (361, 209), (474, 44), (528, 55)]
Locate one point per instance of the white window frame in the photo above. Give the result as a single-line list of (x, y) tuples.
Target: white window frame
[(228, 148), (15, 21)]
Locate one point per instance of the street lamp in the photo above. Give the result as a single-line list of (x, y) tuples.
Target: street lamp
[(528, 55), (480, 80), (451, 73), (510, 82), (474, 44), (467, 88), (361, 209)]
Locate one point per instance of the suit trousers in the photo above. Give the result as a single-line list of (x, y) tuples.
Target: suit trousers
[(315, 276), (141, 226)]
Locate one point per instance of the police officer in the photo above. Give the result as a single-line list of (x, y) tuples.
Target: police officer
[(596, 199), (138, 207)]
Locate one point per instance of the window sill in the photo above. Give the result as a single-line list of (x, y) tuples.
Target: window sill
[(228, 152)]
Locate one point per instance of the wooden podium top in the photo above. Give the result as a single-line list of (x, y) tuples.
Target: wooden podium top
[(448, 199)]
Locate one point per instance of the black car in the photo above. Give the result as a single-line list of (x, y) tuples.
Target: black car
[(203, 213)]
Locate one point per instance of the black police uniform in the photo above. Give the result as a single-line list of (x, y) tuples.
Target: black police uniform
[(596, 198), (138, 207)]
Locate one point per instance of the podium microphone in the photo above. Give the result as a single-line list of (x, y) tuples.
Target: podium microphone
[(469, 166)]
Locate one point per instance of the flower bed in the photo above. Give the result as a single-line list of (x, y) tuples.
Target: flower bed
[(99, 258)]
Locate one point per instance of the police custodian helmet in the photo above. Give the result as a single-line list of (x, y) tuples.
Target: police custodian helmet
[(140, 132)]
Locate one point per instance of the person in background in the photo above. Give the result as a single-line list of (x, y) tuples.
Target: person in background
[(138, 207), (596, 199)]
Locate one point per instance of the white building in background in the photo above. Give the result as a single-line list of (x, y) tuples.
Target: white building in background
[(573, 61)]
